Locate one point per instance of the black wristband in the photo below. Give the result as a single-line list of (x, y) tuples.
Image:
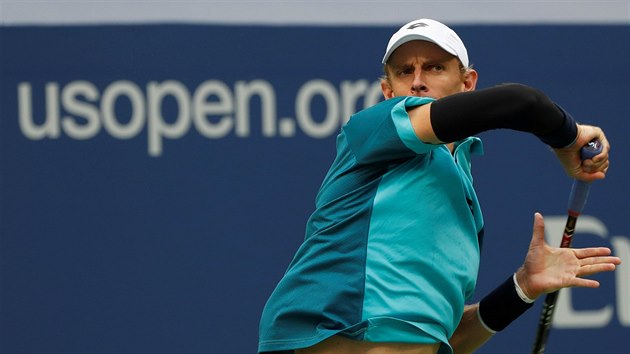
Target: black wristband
[(502, 306)]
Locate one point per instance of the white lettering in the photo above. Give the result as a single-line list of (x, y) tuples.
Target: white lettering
[(203, 108), (331, 121), (244, 92), (374, 95), (621, 247), (80, 110), (157, 126), (50, 127), (108, 104), (566, 316), (350, 93), (73, 105)]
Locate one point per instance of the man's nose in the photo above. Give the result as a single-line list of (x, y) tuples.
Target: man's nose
[(418, 83)]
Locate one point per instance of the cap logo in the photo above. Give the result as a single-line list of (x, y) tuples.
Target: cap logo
[(417, 24)]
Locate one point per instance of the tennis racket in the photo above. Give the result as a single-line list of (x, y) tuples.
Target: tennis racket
[(577, 200)]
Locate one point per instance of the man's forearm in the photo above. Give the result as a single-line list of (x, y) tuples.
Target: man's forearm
[(470, 333), (510, 106)]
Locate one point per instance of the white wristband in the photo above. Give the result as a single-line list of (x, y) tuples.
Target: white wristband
[(520, 291)]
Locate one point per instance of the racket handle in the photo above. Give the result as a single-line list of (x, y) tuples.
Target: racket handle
[(579, 190), (577, 200), (544, 322)]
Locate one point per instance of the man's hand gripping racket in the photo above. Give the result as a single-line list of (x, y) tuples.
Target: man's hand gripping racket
[(577, 200)]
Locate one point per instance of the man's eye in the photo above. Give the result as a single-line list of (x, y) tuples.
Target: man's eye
[(436, 68)]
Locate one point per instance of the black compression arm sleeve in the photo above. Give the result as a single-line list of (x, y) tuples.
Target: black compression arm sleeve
[(509, 106)]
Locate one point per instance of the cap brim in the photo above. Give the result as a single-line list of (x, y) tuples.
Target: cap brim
[(413, 37)]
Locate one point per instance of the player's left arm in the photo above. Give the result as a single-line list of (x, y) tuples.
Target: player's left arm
[(470, 333), (545, 269)]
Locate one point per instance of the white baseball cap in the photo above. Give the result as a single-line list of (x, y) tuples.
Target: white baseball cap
[(426, 29)]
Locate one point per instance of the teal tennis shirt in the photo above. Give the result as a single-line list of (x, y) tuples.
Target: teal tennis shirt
[(391, 251)]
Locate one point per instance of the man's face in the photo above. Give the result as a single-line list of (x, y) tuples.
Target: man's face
[(421, 68)]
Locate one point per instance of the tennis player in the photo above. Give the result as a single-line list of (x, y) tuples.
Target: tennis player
[(391, 253)]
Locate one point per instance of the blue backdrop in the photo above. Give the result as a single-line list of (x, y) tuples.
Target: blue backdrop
[(155, 180)]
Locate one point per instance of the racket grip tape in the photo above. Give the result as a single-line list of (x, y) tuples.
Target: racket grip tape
[(579, 190)]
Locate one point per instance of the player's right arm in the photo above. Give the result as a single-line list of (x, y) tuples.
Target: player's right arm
[(515, 107)]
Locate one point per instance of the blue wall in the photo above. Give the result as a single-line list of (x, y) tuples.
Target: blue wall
[(146, 208)]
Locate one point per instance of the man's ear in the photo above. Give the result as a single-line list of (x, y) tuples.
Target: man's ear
[(387, 89), (470, 80)]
